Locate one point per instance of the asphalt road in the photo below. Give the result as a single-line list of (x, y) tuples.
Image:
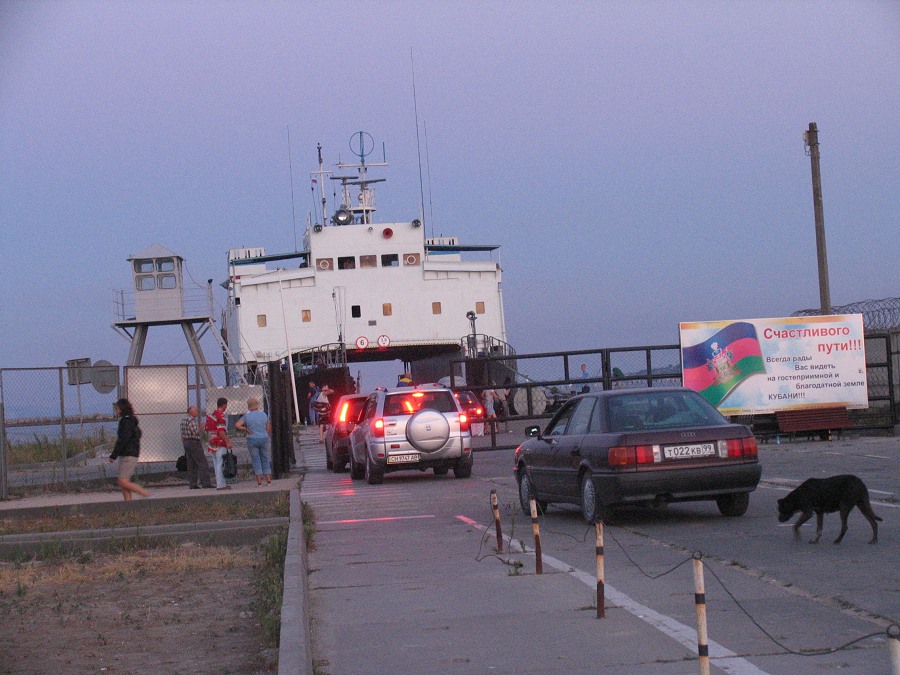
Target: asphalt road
[(805, 597)]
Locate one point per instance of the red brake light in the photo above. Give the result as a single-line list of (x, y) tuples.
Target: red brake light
[(378, 427), (644, 454), (342, 417), (621, 456), (751, 447), (463, 422)]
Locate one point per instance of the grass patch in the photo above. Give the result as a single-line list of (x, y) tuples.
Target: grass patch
[(309, 526), (198, 511), (269, 582), (42, 449)]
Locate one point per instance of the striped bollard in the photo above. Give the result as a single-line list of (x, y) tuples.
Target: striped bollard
[(700, 602), (536, 529), (601, 593), (496, 509)]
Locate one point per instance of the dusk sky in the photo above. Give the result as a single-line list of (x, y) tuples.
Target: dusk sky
[(639, 163)]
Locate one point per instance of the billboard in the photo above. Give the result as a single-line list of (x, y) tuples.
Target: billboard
[(754, 366)]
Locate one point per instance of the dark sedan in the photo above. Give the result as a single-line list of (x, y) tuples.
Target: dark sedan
[(638, 446), (337, 436)]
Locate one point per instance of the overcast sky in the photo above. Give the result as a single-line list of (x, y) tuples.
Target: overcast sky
[(640, 163)]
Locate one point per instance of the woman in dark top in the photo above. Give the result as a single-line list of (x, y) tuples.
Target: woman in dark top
[(127, 449)]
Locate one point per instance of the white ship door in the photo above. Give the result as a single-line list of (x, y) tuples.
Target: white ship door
[(339, 297)]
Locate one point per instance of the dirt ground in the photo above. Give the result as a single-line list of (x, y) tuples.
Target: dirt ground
[(187, 609)]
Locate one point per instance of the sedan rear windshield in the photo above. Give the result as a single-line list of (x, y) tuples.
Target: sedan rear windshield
[(661, 410), (414, 401)]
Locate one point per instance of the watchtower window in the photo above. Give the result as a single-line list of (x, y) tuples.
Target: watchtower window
[(144, 266), (355, 311), (390, 260), (145, 282), (167, 281), (368, 261), (347, 263), (165, 265)]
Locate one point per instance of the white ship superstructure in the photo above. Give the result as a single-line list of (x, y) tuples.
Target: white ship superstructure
[(379, 290)]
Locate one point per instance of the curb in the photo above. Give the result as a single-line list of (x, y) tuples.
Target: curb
[(295, 645)]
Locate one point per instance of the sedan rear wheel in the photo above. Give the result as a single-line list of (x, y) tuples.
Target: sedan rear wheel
[(591, 508), (733, 505), (527, 493)]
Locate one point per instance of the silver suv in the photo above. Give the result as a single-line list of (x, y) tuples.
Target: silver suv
[(411, 428)]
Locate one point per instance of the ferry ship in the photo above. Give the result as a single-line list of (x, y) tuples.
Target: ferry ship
[(361, 290)]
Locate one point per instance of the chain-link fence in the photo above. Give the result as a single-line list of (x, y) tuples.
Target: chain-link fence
[(57, 424)]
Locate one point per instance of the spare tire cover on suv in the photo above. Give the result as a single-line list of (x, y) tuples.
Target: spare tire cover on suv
[(428, 430)]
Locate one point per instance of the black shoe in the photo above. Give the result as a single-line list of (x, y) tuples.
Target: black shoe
[(195, 487)]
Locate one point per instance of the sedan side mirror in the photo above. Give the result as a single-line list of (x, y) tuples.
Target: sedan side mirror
[(533, 432)]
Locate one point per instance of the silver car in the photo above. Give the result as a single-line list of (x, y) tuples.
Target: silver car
[(406, 428)]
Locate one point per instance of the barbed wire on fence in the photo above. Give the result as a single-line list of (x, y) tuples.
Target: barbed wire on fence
[(881, 314)]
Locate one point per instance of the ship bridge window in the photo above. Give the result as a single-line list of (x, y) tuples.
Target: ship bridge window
[(368, 261), (347, 263), (261, 320), (165, 265), (145, 282), (143, 266), (355, 311), (167, 281), (479, 308), (386, 309), (435, 308), (390, 260), (305, 315)]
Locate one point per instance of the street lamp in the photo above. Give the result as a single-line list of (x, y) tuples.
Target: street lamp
[(470, 315)]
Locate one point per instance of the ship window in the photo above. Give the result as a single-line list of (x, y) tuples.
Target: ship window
[(305, 315), (390, 260), (167, 281), (165, 265), (145, 282), (479, 308), (386, 309), (355, 311), (368, 261), (261, 320), (435, 308), (347, 263), (143, 266)]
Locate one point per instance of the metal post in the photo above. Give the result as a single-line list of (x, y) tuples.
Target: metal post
[(536, 530), (601, 591), (700, 602), (4, 487), (62, 424), (496, 509), (812, 142), (894, 647)]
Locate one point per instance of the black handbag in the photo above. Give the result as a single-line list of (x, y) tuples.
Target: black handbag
[(181, 464), (229, 465)]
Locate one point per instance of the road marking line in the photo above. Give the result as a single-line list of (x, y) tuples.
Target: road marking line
[(368, 520), (722, 658)]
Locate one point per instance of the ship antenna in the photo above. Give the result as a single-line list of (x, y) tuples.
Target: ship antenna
[(428, 170), (418, 145), (291, 167)]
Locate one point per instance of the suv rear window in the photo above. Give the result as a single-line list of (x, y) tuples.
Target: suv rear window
[(414, 401)]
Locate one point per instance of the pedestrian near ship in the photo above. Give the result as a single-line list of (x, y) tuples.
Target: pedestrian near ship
[(197, 466), (257, 427), (219, 443), (127, 448)]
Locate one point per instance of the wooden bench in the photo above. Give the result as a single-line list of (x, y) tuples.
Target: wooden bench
[(810, 420)]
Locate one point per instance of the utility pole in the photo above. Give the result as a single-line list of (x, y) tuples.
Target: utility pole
[(811, 138)]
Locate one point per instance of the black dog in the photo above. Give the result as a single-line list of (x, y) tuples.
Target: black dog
[(827, 495)]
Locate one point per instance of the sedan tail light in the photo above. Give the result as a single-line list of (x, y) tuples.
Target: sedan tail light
[(739, 447), (378, 428), (632, 455)]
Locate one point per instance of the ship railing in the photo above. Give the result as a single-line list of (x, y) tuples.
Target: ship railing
[(478, 345)]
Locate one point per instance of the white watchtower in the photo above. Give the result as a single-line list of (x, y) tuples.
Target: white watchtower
[(159, 300)]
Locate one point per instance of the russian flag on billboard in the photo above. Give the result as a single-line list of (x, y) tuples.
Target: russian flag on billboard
[(715, 367)]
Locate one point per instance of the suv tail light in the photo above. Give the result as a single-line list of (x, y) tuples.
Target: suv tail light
[(378, 428), (342, 416), (463, 422)]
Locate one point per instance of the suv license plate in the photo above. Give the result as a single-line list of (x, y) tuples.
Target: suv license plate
[(403, 459), (689, 451)]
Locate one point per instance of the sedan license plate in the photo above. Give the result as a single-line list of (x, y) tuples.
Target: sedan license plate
[(690, 451), (403, 459)]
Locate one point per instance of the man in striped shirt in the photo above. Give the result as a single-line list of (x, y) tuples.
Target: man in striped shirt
[(197, 466)]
